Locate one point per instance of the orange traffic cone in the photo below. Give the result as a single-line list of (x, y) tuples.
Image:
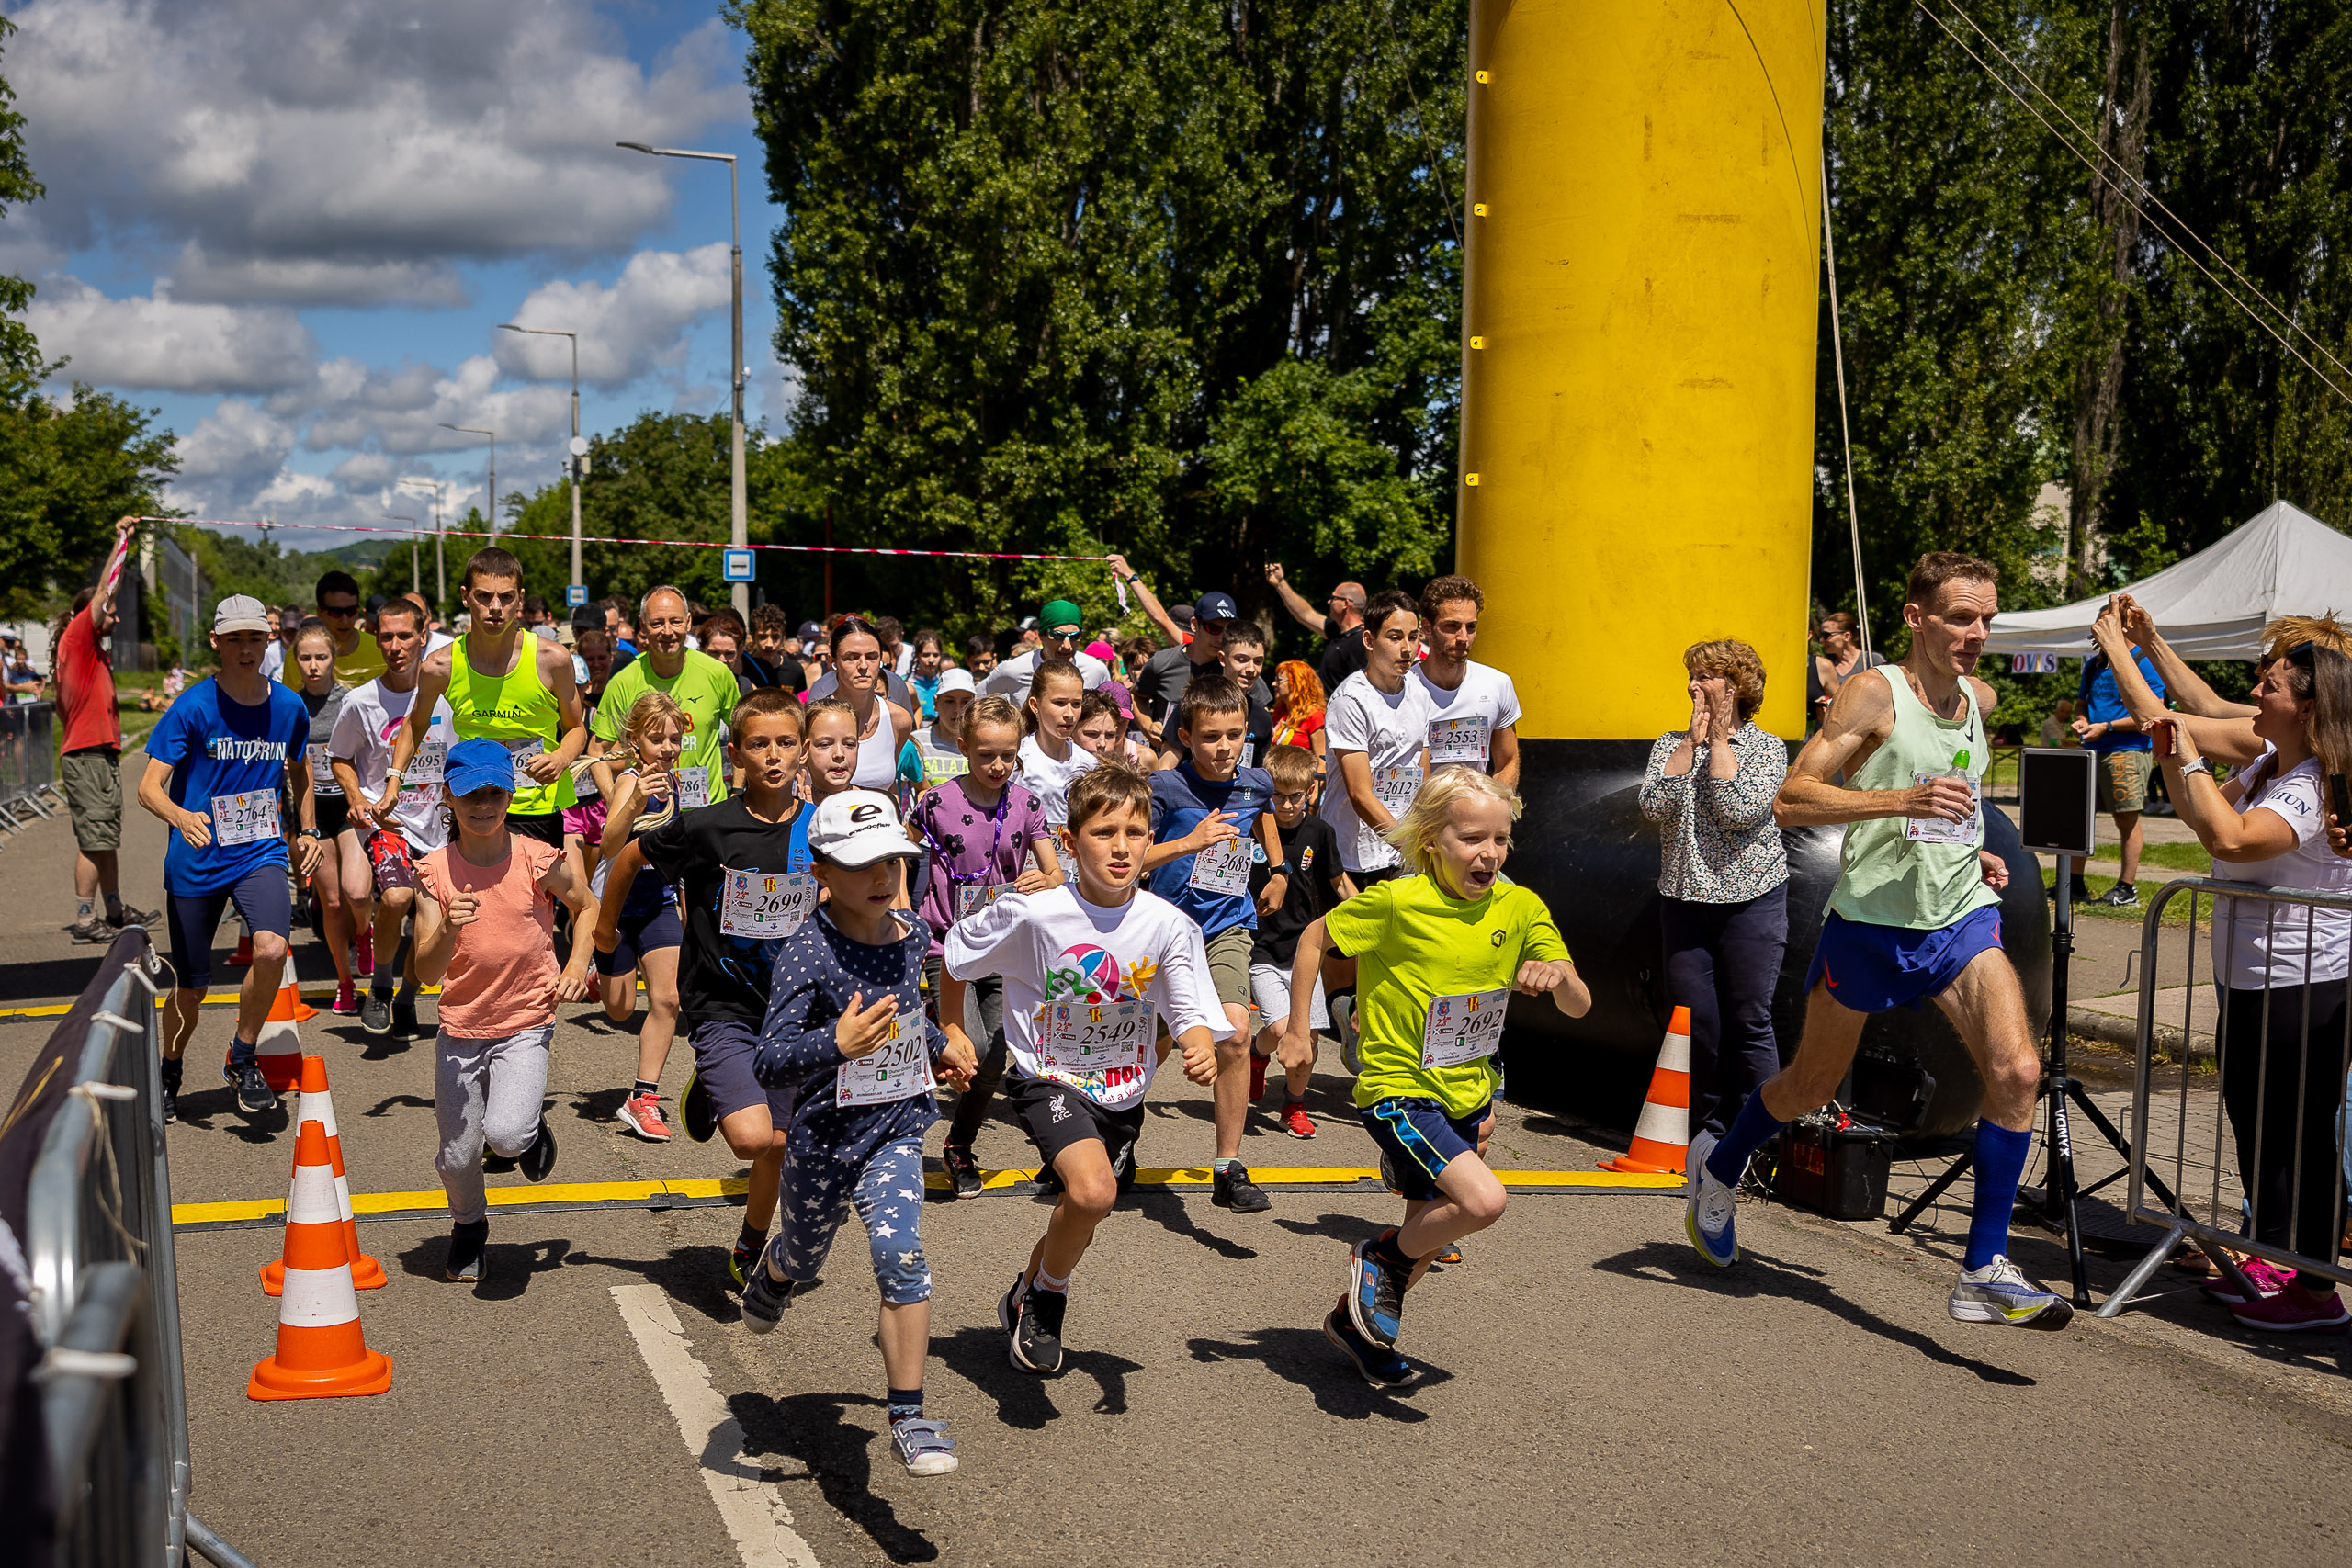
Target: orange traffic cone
[(279, 1049), (367, 1274), (1662, 1137), (321, 1352)]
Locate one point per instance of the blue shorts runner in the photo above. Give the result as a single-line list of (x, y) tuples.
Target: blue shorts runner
[(1872, 968), (261, 896), (887, 1193), (1420, 1140), (639, 934), (723, 1049)]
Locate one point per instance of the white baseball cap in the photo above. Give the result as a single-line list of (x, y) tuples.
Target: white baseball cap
[(959, 680), (858, 827), (240, 613)]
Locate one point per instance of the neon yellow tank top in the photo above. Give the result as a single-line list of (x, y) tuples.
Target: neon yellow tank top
[(1888, 873), (511, 710)]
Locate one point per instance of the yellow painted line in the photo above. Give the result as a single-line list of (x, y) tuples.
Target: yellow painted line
[(211, 1000), (1593, 1181)]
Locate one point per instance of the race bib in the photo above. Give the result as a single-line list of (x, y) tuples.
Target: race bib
[(765, 906), (1104, 1045), (973, 896), (246, 818), (1465, 1028), (520, 752), (426, 766), (1460, 740), (898, 1069), (694, 788), (321, 772), (1937, 831), (1395, 787), (1249, 751), (1222, 869)]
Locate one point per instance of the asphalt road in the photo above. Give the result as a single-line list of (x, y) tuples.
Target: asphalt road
[(1593, 1393)]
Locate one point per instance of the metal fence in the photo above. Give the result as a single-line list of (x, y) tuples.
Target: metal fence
[(105, 1297), (2282, 1085), (27, 763)]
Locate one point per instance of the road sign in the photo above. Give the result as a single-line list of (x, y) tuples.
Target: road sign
[(735, 566), (576, 595)]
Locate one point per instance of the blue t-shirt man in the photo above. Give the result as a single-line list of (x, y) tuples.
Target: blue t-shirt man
[(2098, 702), (227, 758), (1180, 799)]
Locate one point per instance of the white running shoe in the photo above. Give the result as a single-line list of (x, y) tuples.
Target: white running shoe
[(1998, 1293), (1708, 1206)]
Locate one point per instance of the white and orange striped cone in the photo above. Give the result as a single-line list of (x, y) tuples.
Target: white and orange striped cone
[(318, 1105), (278, 1051), (322, 1354), (1662, 1137)]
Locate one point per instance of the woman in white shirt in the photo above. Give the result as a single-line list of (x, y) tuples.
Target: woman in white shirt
[(2283, 969)]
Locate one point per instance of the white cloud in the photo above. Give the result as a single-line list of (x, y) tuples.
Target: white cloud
[(158, 343), (344, 150), (626, 331), (236, 440)]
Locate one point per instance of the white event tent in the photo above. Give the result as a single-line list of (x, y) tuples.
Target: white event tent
[(2280, 562)]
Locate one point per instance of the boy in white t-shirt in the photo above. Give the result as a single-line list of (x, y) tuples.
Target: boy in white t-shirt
[(1378, 732), (1473, 707), (1087, 970)]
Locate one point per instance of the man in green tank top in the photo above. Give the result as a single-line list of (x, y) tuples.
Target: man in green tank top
[(504, 685), (1916, 916)]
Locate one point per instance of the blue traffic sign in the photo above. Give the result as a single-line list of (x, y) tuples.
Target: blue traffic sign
[(576, 595), (735, 566)]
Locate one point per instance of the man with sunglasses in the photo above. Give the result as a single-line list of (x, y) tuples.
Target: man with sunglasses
[(357, 660), (1339, 624), (1059, 629)]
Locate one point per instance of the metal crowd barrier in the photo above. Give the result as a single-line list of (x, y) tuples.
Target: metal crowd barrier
[(27, 763), (2211, 1209), (105, 1297)]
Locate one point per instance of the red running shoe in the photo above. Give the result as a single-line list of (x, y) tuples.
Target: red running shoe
[(346, 1001), (2295, 1309), (1295, 1120), (1257, 1078)]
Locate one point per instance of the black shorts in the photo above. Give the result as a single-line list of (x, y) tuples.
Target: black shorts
[(1363, 879), (333, 814), (546, 827), (1057, 1116)]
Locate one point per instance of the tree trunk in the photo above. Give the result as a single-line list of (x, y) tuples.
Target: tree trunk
[(2099, 379)]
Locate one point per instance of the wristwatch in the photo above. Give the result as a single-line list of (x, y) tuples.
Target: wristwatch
[(2202, 765), (1274, 871), (310, 833)]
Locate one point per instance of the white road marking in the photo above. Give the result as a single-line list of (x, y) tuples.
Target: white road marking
[(748, 1504)]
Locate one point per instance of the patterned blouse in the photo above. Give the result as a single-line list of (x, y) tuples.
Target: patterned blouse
[(1722, 848)]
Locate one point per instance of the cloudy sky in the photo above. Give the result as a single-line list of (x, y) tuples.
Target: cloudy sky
[(295, 225)]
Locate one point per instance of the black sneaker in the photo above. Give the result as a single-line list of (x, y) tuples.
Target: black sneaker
[(962, 1170), (1381, 1369), (375, 1012), (404, 1015), (132, 917), (1342, 1009), (2123, 896), (540, 1159), (172, 1070), (765, 1299), (696, 1112), (1232, 1189), (1034, 1319), (93, 931), (466, 1244), (254, 1094), (1376, 1294)]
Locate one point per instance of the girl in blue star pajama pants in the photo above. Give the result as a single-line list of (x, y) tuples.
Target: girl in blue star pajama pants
[(887, 1190)]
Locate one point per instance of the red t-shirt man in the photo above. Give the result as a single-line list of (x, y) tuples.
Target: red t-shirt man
[(85, 688)]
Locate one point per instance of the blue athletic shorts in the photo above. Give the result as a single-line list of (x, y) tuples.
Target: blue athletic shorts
[(261, 896), (639, 934), (1419, 1140), (723, 1049), (1872, 968)]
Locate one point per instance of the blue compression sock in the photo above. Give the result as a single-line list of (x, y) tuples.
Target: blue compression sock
[(2000, 1161), (1749, 1128)]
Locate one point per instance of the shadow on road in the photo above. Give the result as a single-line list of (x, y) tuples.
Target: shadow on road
[(814, 1428), (506, 1266), (399, 1101), (1023, 1399), (1759, 1274), (1301, 1356), (216, 1109), (1349, 1228), (1170, 1211)]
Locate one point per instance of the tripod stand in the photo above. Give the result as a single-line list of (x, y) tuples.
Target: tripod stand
[(2061, 1197)]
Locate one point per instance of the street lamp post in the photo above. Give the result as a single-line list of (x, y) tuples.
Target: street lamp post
[(579, 448), (440, 529), (491, 511), (738, 533)]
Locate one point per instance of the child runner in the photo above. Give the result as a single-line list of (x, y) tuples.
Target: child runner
[(936, 753), (1102, 731), (1440, 950), (1207, 813), (1087, 970), (486, 930), (340, 882), (1049, 756), (216, 763), (982, 830), (647, 933), (1316, 886), (1241, 658), (847, 1040), (743, 867)]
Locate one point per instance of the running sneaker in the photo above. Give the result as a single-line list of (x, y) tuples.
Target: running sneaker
[(467, 1242), (1232, 1189), (1388, 1174), (254, 1094), (738, 1264), (346, 1001), (404, 1014), (1343, 1030), (764, 1296), (1123, 1168), (962, 1170), (376, 1011), (2123, 896), (1376, 1294), (1451, 1255), (696, 1112), (363, 956), (924, 1445), (1257, 1078), (1998, 1293), (641, 1114), (134, 917), (1708, 1206), (1295, 1120), (1381, 1369), (2267, 1278), (1034, 1319), (2295, 1310), (171, 1068), (93, 931), (538, 1159)]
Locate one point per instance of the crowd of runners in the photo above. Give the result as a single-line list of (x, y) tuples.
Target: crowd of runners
[(852, 870)]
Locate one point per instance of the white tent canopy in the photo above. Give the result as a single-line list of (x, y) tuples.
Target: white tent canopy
[(2280, 562)]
